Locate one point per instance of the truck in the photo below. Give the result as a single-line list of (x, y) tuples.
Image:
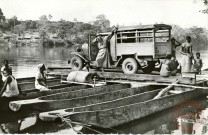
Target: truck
[(132, 48)]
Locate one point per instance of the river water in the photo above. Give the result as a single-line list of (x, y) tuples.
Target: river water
[(24, 61)]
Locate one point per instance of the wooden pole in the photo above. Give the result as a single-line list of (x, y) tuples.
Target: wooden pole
[(165, 90)]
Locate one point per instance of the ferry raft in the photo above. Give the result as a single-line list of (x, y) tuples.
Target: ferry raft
[(121, 99)]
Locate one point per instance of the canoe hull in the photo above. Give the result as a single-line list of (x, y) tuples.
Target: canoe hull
[(125, 114), (69, 99)]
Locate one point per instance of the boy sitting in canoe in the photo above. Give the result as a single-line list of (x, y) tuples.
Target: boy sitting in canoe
[(40, 79)]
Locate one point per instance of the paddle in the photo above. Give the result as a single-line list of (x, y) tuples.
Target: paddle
[(165, 90)]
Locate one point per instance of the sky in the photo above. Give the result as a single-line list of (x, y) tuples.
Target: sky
[(120, 12)]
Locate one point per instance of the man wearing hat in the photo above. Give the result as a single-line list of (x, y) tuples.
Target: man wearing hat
[(103, 57)]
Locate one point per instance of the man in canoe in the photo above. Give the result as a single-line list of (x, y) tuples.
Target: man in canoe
[(6, 65), (40, 78), (10, 90)]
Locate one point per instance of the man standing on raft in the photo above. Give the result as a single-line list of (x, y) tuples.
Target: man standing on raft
[(103, 56)]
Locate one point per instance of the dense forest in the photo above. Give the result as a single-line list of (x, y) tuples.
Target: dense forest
[(76, 32)]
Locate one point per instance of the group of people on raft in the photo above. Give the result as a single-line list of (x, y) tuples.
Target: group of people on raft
[(188, 64), (9, 89)]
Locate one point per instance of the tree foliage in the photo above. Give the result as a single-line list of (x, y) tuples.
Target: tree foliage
[(19, 29), (205, 10), (102, 23), (199, 36), (2, 17), (78, 32)]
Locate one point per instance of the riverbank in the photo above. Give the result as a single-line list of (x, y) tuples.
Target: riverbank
[(33, 39)]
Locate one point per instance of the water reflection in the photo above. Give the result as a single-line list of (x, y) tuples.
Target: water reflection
[(19, 125), (12, 127), (26, 58)]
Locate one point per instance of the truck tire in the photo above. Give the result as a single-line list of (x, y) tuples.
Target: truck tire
[(149, 68), (77, 63), (130, 66)]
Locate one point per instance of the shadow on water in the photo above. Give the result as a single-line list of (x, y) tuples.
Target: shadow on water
[(33, 125)]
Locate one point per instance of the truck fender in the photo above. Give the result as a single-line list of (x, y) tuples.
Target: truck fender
[(81, 55), (122, 58)]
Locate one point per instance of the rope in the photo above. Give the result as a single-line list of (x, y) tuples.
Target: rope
[(87, 126), (68, 122)]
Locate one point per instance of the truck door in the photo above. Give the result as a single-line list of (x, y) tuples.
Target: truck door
[(93, 47), (162, 43)]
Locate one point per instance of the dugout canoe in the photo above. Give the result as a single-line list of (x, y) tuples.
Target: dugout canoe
[(66, 99), (34, 93), (75, 98), (31, 85), (32, 79), (127, 109), (28, 88)]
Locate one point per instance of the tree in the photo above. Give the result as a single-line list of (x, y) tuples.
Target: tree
[(4, 26), (43, 21), (2, 17), (50, 16), (205, 11), (199, 36), (12, 22), (19, 29), (102, 23)]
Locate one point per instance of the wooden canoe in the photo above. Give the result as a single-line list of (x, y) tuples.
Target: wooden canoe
[(55, 84), (32, 79), (81, 97), (66, 99), (120, 111), (31, 85), (30, 92), (35, 93)]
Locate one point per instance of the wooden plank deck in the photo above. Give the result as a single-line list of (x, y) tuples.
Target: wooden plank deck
[(200, 79)]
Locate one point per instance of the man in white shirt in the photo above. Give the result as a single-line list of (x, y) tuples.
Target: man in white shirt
[(6, 65)]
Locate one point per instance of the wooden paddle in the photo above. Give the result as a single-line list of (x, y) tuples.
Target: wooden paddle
[(165, 90)]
